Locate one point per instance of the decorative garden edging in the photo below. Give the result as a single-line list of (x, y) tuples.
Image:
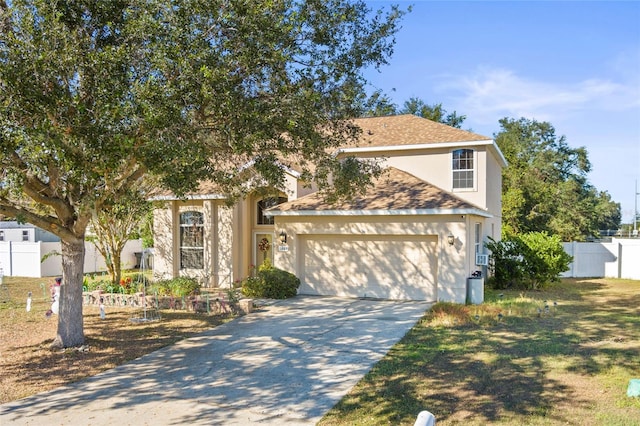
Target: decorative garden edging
[(200, 303)]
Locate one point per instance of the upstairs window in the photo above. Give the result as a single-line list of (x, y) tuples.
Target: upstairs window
[(191, 240), (463, 169), (267, 203), (25, 235)]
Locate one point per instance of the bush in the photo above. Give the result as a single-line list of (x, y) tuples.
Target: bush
[(178, 287), (271, 283), (528, 262), (96, 284)]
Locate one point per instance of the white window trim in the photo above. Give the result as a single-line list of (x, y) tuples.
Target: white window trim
[(477, 231), (180, 246), (475, 170)]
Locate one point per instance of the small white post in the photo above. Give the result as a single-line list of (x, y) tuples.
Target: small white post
[(425, 418), (29, 302)]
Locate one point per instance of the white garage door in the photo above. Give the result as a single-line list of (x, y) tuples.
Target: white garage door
[(386, 267)]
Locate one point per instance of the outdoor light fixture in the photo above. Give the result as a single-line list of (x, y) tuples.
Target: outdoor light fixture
[(451, 239), (283, 237)]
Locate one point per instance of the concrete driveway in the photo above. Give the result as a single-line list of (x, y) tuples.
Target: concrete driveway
[(286, 364)]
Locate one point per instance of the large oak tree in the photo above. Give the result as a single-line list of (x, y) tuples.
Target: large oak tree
[(97, 95), (545, 185)]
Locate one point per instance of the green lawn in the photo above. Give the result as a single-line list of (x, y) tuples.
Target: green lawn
[(511, 361)]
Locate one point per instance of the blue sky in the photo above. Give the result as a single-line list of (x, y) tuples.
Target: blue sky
[(575, 64)]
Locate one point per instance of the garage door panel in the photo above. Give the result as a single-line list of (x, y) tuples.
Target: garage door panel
[(369, 266)]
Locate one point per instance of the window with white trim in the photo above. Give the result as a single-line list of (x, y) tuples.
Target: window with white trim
[(478, 238), (463, 169), (264, 204), (191, 240)]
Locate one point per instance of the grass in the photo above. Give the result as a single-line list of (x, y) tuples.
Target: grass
[(28, 364), (505, 362), (511, 361)]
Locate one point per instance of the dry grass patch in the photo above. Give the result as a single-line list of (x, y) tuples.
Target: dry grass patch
[(28, 364)]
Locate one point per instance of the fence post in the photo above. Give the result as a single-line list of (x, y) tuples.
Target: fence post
[(10, 258), (619, 260)]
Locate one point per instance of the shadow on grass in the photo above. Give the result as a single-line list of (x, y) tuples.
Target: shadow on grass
[(108, 343), (509, 369)]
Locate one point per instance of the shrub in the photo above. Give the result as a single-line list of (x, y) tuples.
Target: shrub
[(93, 284), (271, 283), (139, 278), (549, 259), (528, 262), (178, 287)]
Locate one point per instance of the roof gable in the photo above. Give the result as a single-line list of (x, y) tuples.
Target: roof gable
[(395, 191)]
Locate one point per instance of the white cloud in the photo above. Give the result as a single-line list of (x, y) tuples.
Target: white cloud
[(491, 93)]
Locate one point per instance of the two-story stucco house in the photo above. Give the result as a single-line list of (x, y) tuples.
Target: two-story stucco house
[(414, 235)]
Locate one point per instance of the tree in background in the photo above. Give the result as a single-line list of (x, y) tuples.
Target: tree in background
[(96, 95), (545, 187), (380, 105), (116, 224), (433, 112)]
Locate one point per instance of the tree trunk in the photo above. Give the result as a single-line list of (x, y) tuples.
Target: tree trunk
[(70, 320), (117, 268)]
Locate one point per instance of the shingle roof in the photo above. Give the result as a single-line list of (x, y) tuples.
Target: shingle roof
[(395, 190), (410, 130), (398, 130)]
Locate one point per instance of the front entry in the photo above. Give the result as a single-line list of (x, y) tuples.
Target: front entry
[(262, 248)]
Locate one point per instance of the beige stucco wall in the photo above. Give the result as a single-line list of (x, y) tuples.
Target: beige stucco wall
[(452, 269), (494, 197), (230, 231), (218, 241), (163, 237), (433, 165), (222, 243)]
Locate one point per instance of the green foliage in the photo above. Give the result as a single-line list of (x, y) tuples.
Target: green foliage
[(271, 283), (177, 287), (548, 258), (544, 186), (433, 112), (529, 261), (99, 96), (145, 230), (97, 284), (506, 263), (116, 224), (380, 104)]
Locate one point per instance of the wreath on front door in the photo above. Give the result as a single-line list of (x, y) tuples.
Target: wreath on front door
[(264, 245)]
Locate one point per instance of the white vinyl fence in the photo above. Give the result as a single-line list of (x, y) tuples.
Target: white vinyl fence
[(24, 259), (618, 259)]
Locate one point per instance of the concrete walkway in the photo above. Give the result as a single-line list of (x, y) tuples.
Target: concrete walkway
[(286, 364)]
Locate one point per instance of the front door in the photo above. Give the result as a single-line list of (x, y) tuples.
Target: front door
[(262, 248)]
